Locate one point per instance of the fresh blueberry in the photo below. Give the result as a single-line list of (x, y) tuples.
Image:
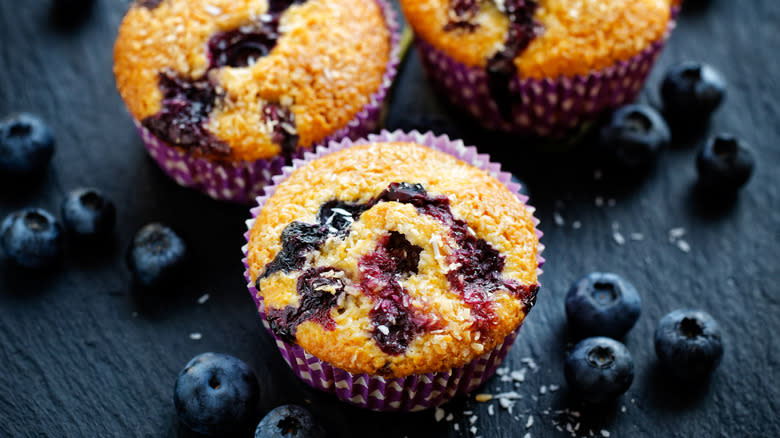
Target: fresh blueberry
[(26, 144), (216, 394), (633, 136), (599, 369), (688, 344), (428, 122), (88, 213), (691, 92), (157, 255), (31, 238), (289, 421), (725, 163), (602, 304)]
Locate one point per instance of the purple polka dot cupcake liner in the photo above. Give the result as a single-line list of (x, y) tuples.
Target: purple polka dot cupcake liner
[(243, 181), (414, 392), (547, 108)]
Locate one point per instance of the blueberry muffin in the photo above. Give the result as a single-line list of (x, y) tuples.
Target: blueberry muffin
[(249, 84), (404, 261), (519, 64)]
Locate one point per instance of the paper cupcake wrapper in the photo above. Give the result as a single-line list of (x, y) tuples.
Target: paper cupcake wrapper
[(243, 181), (411, 393), (548, 108)]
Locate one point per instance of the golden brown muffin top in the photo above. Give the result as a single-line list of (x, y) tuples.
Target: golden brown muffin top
[(325, 59), (573, 37), (394, 259)]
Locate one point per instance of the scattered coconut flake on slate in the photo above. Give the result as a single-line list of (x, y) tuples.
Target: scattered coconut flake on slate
[(637, 236), (604, 433), (616, 236), (599, 201), (203, 298), (676, 233), (530, 362), (576, 225), (456, 426), (527, 435), (518, 375), (438, 414), (491, 410), (196, 336), (542, 390), (530, 422), (473, 430), (553, 388), (473, 419), (450, 417), (623, 408), (558, 219), (684, 246)]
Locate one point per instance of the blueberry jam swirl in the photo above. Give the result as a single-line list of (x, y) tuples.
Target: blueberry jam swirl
[(501, 66), (188, 103), (395, 322)]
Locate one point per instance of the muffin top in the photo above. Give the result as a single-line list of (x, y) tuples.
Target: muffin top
[(403, 260), (539, 38), (249, 79)]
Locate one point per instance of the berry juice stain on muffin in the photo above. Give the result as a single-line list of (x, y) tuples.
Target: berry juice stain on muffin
[(501, 66), (475, 276)]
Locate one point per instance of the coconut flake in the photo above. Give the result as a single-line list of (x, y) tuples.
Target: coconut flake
[(558, 219), (213, 10)]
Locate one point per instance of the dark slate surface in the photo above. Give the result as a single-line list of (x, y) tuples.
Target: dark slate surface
[(81, 354)]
